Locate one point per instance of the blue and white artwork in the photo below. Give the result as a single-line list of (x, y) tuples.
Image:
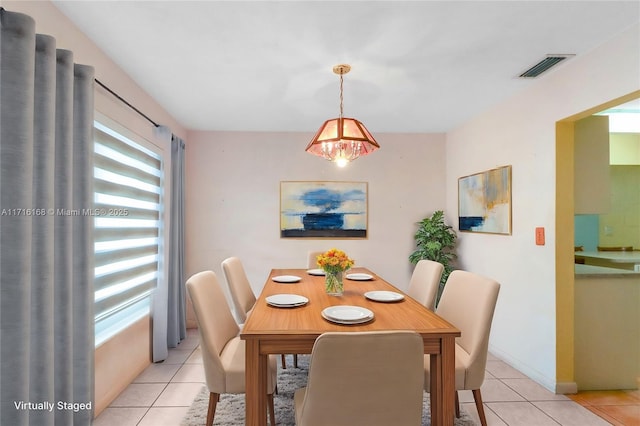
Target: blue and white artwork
[(323, 209), (484, 202)]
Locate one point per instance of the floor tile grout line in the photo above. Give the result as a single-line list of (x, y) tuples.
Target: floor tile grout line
[(517, 393), (163, 389), (525, 402), (143, 416), (532, 400), (594, 409)]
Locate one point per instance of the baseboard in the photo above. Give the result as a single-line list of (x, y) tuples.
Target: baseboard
[(534, 375), (564, 388)]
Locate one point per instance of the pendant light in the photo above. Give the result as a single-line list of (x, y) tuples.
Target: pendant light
[(341, 139)]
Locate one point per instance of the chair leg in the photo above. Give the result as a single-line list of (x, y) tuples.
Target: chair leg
[(271, 408), (457, 406), (295, 360), (211, 411), (478, 399), (284, 362)]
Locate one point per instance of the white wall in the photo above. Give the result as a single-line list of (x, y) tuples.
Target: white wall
[(521, 132), (233, 189)]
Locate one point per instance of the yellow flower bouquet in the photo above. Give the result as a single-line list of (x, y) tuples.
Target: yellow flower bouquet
[(334, 262)]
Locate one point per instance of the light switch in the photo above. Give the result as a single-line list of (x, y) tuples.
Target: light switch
[(540, 236)]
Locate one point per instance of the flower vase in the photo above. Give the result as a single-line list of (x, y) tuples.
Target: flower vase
[(333, 283)]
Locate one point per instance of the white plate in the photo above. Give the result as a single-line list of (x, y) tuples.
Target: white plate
[(286, 300), (359, 277), (315, 272), (286, 279), (384, 296), (345, 314)]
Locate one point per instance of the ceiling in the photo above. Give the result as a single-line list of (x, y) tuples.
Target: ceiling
[(417, 66)]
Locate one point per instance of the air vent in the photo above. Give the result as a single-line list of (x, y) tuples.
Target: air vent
[(544, 65)]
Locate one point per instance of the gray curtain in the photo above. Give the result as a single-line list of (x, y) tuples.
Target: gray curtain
[(169, 308), (46, 250)]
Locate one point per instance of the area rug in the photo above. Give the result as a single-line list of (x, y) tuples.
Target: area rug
[(230, 409)]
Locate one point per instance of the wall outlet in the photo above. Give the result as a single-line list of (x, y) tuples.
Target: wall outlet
[(540, 236)]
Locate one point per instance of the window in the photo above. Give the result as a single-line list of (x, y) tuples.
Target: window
[(128, 187)]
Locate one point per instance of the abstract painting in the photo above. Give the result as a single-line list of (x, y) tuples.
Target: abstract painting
[(484, 202), (323, 209)]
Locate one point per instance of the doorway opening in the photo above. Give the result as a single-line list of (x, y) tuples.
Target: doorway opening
[(565, 239)]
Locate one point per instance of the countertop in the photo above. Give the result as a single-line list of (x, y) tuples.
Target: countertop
[(612, 256), (585, 271)]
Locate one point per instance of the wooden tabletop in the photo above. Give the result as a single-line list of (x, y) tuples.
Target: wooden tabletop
[(273, 330), (307, 321)]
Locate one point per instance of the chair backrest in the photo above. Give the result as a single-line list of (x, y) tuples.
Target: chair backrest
[(468, 302), (239, 287), (312, 261), (364, 378), (425, 282), (215, 325)]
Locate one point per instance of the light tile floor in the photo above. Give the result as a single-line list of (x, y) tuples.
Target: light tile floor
[(162, 395)]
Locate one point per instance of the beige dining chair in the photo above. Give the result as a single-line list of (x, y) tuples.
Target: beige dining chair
[(425, 282), (468, 302), (363, 378), (223, 352), (312, 259), (242, 294)]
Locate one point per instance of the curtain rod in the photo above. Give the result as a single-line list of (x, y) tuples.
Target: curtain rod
[(121, 99)]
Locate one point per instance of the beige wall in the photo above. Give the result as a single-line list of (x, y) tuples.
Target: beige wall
[(624, 148), (521, 132), (120, 360), (233, 184), (621, 225)]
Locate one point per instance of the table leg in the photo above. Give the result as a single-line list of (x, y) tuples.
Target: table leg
[(443, 383), (448, 371), (256, 366), (435, 392)]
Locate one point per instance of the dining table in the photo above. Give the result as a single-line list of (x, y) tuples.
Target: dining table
[(292, 329)]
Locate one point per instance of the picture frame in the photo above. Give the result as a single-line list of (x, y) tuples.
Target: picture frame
[(484, 202), (323, 209)]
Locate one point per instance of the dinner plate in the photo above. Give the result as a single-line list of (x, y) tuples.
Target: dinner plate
[(315, 272), (359, 277), (345, 314), (384, 296), (286, 279), (286, 300)]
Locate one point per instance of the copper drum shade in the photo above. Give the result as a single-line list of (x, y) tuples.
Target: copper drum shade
[(342, 139)]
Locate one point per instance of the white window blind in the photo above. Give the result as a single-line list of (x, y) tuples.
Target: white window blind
[(128, 189)]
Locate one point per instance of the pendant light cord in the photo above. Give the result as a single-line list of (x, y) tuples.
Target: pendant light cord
[(341, 81)]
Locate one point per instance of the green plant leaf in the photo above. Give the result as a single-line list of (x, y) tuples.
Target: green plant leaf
[(435, 240)]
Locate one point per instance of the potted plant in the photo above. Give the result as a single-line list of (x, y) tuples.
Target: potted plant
[(435, 240)]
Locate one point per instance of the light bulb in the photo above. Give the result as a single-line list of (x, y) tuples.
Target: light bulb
[(341, 161)]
